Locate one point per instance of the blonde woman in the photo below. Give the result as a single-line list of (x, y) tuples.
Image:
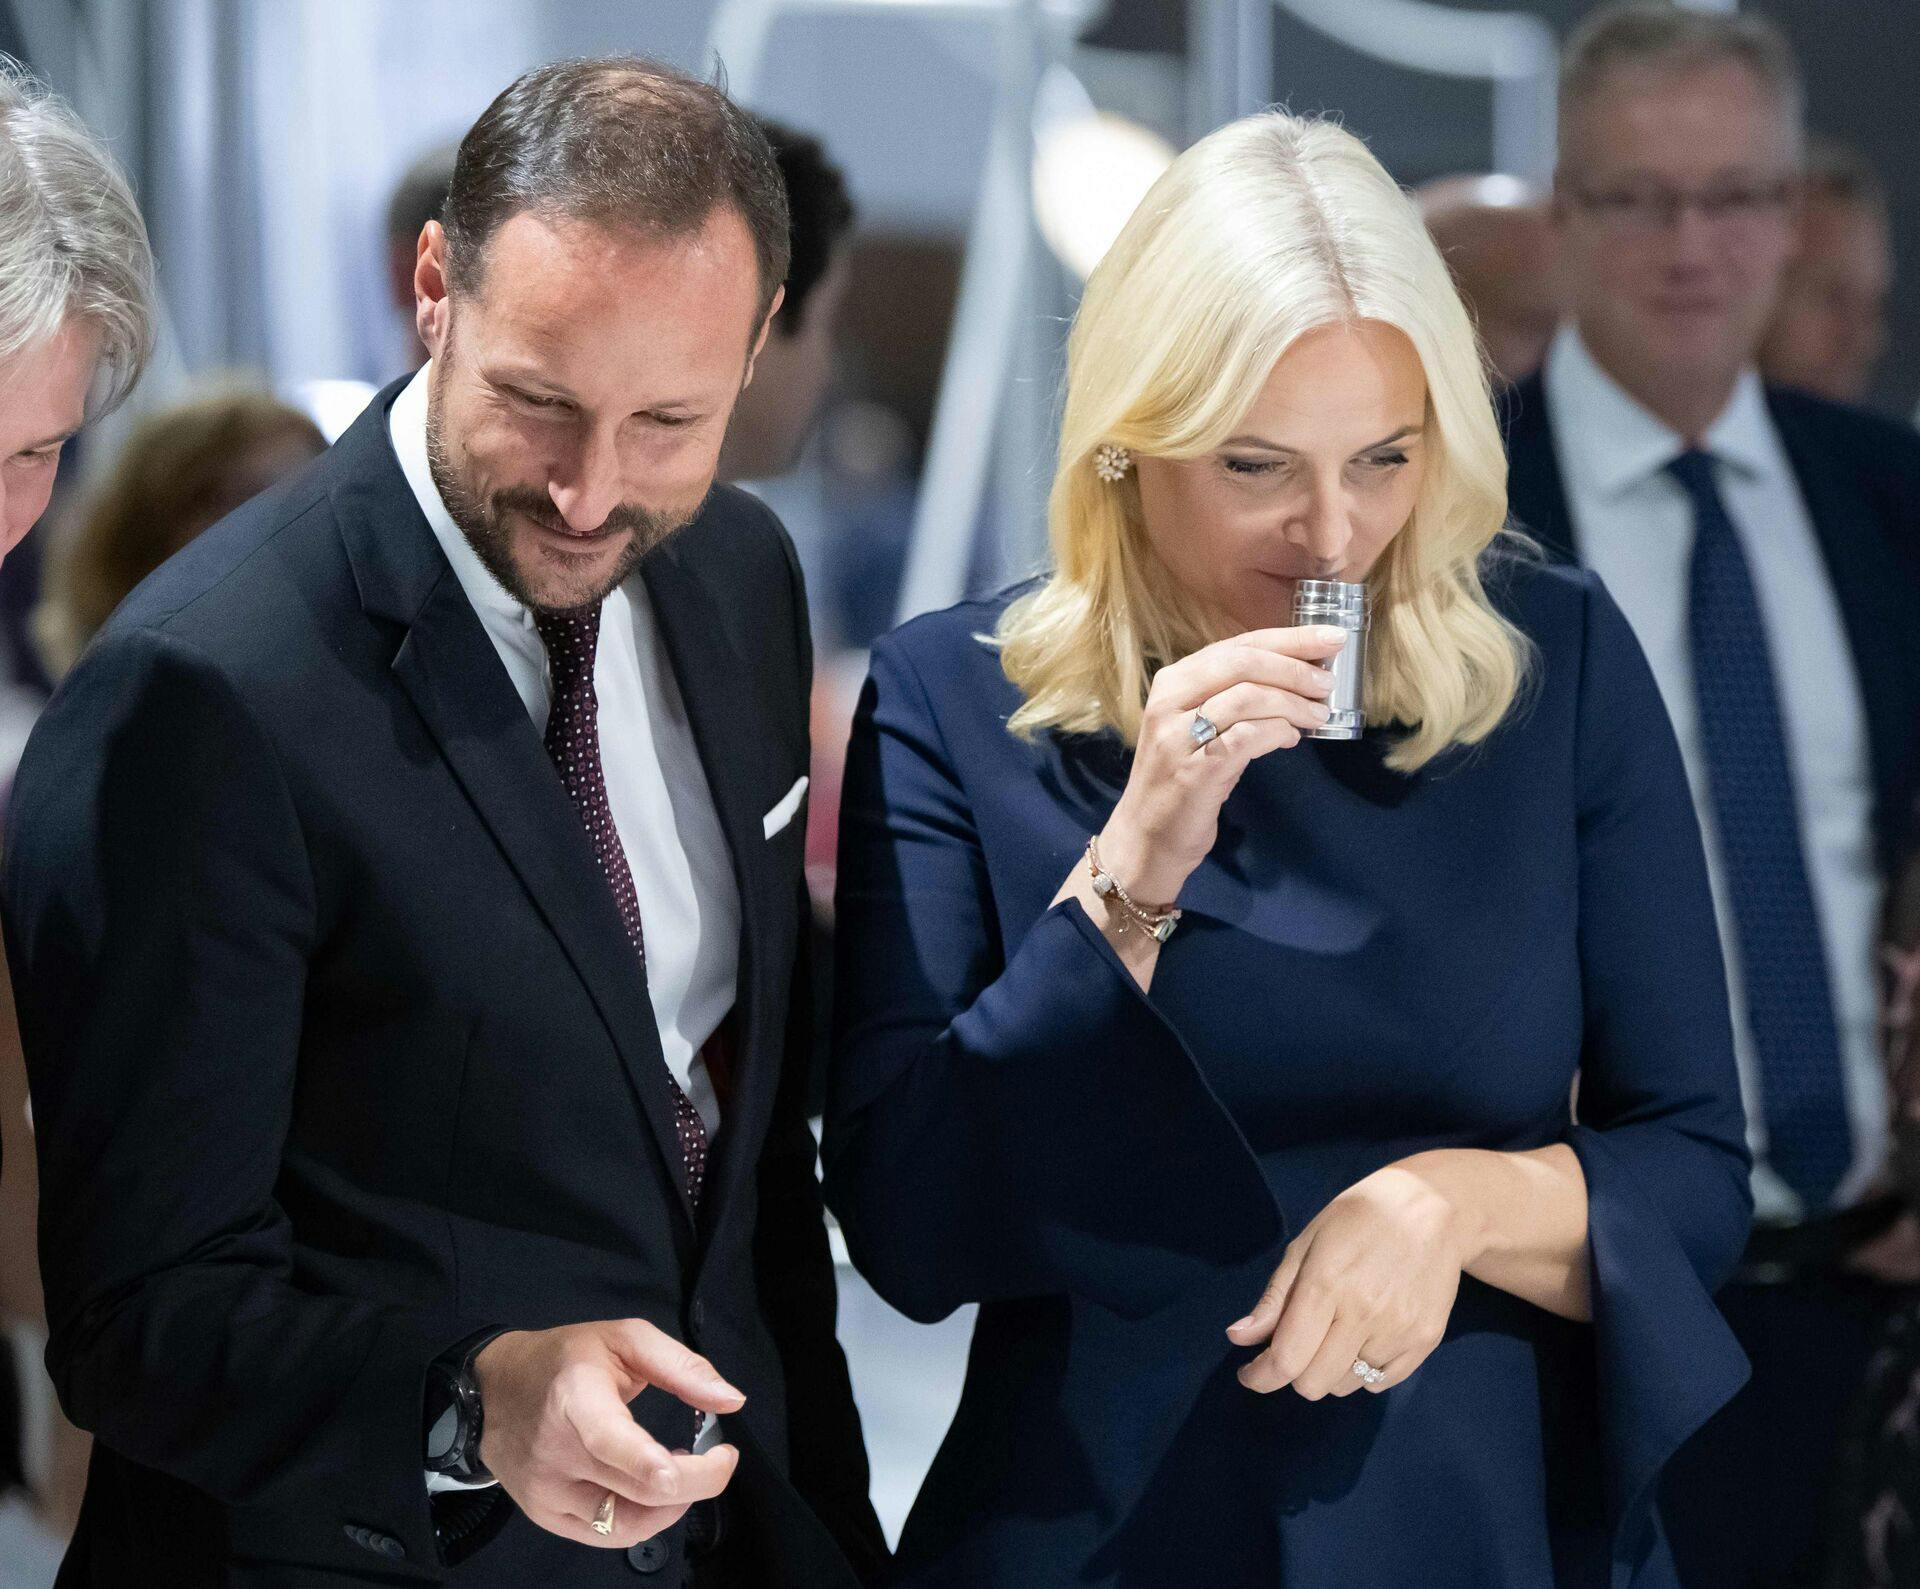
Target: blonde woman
[(1296, 1265)]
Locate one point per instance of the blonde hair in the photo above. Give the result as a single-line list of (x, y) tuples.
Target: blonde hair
[(1267, 229)]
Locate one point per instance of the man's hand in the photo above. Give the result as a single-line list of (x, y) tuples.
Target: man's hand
[(559, 1438)]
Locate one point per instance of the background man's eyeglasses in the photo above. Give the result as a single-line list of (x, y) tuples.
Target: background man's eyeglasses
[(1654, 207)]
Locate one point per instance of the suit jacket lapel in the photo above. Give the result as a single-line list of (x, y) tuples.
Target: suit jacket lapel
[(1536, 496), (731, 725), (450, 671), (1874, 593)]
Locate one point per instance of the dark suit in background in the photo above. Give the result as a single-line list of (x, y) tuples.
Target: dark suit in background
[(339, 1054), (1746, 1499), (1860, 475)]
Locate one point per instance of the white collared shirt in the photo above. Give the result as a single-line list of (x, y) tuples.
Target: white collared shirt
[(1633, 525), (656, 787)]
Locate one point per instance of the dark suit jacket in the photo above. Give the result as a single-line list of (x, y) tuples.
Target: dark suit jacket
[(1370, 964), (339, 1053), (1860, 475)]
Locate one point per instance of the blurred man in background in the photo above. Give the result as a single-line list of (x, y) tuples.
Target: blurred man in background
[(418, 197), (1760, 543), (1497, 236), (1829, 328), (776, 414)]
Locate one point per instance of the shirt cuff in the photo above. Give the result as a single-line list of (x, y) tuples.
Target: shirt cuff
[(438, 1482)]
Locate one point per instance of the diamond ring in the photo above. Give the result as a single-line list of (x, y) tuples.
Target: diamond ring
[(1366, 1372), (1203, 731)]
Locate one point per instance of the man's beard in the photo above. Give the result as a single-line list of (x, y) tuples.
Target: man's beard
[(485, 524)]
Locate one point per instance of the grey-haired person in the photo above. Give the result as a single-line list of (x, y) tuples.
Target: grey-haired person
[(76, 291)]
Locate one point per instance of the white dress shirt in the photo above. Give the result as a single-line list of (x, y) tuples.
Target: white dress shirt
[(1633, 526), (656, 788)]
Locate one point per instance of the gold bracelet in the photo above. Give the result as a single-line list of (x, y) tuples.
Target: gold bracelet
[(1156, 924)]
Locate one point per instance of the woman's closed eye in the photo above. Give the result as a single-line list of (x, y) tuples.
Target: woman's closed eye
[(1251, 466), (1382, 462), (1373, 463)]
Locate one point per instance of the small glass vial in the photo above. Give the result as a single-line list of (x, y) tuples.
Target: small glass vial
[(1343, 604)]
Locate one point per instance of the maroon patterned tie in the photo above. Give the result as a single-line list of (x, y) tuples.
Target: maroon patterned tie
[(573, 741)]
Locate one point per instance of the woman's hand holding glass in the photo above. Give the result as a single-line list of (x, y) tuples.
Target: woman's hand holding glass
[(1372, 1279), (1263, 691)]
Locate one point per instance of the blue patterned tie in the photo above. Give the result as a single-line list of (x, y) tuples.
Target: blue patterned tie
[(1789, 1005)]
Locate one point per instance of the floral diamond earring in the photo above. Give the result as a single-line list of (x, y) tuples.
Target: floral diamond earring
[(1111, 462)]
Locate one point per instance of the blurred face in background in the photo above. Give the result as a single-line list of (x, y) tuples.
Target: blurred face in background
[(791, 377), (43, 398), (1829, 328), (1503, 251), (583, 380), (1315, 482), (1675, 198)]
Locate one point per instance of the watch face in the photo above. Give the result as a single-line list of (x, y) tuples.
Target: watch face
[(443, 1433)]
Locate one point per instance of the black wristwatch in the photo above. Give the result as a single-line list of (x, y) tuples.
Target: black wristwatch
[(452, 1412)]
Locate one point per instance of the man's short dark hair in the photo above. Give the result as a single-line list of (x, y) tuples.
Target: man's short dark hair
[(820, 211), (620, 142)]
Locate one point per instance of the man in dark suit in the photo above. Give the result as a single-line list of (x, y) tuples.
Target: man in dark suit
[(404, 898), (1763, 544)]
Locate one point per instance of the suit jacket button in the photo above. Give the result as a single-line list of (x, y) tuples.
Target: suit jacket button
[(387, 1546), (355, 1533), (649, 1556)]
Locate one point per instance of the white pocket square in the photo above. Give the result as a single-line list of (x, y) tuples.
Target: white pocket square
[(782, 814)]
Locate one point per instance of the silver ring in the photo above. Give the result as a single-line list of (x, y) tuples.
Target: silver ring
[(1366, 1372), (1203, 731)]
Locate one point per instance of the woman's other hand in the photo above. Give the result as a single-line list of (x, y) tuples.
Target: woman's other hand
[(1372, 1279)]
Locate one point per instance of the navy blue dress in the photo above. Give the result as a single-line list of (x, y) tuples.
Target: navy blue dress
[(1370, 965)]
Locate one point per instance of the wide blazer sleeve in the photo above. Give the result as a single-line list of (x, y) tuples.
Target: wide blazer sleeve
[(1659, 1129), (160, 916), (1008, 1114)]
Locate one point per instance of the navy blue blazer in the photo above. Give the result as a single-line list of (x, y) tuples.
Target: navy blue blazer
[(1370, 965), (1860, 476)]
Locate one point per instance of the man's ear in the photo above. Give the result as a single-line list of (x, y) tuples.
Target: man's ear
[(431, 310), (766, 325)]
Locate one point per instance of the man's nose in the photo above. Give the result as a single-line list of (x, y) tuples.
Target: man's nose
[(588, 488), (1691, 241)]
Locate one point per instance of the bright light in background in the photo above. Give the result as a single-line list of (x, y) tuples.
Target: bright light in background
[(1502, 192), (332, 405), (1091, 169)]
